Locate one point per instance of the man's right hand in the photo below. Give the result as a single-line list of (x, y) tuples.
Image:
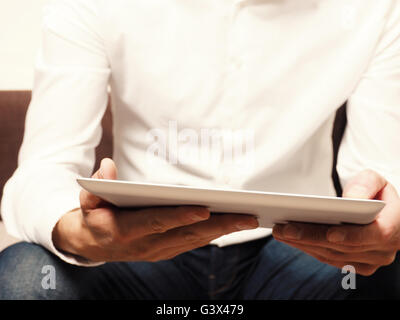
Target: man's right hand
[(99, 231)]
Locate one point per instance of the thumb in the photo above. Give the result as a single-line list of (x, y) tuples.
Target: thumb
[(365, 185), (107, 170)]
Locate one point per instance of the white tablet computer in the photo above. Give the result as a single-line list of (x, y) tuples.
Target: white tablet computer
[(269, 207)]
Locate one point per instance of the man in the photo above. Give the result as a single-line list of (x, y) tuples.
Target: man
[(279, 69)]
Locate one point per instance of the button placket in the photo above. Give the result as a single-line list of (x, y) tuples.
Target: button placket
[(233, 90), (235, 63)]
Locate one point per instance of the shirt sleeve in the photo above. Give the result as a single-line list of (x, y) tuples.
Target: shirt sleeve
[(372, 136), (62, 127)]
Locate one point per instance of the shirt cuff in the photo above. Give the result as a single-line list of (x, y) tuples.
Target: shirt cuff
[(66, 202)]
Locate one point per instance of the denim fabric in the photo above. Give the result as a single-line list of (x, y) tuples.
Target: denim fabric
[(260, 269)]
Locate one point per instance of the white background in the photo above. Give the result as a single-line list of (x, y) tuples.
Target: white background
[(20, 24)]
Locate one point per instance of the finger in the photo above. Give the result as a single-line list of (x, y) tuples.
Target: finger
[(108, 171), (365, 185), (384, 231), (360, 268), (157, 220), (216, 226), (304, 232), (337, 247), (172, 252), (367, 257), (148, 250), (170, 248)]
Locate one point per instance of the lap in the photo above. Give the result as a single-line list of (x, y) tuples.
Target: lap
[(284, 272), (21, 277), (263, 269)]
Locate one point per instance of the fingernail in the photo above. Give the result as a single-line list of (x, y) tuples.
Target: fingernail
[(292, 232), (336, 236), (358, 192), (247, 225)]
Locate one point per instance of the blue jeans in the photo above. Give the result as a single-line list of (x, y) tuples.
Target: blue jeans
[(260, 269)]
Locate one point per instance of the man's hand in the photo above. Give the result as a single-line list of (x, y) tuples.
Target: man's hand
[(99, 231), (365, 247)]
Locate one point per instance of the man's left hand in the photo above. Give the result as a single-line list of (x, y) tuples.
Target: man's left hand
[(365, 247)]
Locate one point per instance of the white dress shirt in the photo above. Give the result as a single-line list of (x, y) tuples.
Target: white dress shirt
[(279, 69)]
